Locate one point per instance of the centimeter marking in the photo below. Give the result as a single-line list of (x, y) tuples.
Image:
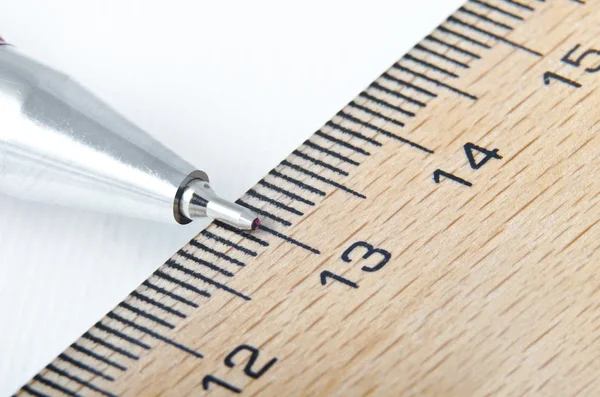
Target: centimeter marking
[(148, 316)]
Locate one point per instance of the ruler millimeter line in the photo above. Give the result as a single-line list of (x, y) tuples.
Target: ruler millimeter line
[(484, 18), (434, 81), (78, 380), (453, 47), (455, 20), (361, 233), (498, 9), (289, 239), (97, 357), (520, 5), (444, 57)]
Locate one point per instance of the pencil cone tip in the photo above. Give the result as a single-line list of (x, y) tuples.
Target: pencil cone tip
[(247, 219), (199, 200)]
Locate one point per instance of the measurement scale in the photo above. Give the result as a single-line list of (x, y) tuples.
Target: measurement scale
[(438, 236)]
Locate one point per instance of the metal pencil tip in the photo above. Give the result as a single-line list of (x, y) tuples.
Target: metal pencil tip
[(247, 219), (199, 200)]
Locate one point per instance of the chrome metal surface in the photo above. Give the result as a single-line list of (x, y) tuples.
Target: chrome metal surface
[(60, 144), (199, 200)]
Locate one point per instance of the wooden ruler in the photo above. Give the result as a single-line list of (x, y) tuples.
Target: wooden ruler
[(438, 236)]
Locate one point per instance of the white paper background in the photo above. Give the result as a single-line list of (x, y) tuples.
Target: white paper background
[(232, 86)]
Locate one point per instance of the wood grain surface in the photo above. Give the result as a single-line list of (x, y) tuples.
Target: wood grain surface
[(438, 237)]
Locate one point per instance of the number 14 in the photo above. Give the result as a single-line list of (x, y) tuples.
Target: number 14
[(470, 150)]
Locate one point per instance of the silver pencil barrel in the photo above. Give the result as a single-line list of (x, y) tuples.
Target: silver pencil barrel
[(60, 144)]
